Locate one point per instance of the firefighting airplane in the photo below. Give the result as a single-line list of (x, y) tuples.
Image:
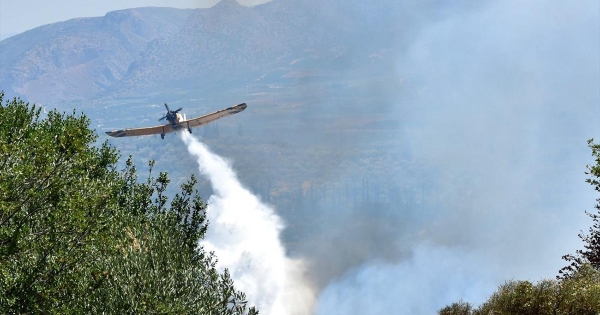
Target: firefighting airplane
[(177, 121)]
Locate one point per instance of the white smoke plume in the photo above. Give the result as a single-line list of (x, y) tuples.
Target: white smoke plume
[(503, 98), (244, 233)]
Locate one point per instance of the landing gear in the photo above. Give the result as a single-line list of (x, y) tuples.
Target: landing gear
[(190, 130), (162, 136)]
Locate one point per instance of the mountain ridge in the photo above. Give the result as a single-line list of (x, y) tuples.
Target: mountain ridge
[(149, 50), (81, 57)]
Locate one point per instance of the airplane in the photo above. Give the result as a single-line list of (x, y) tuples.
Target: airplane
[(177, 121)]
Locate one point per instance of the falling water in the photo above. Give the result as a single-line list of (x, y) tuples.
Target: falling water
[(244, 233)]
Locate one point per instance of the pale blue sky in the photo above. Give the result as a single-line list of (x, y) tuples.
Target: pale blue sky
[(22, 15)]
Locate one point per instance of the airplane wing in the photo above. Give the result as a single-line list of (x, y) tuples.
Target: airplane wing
[(203, 120), (162, 129), (140, 131)]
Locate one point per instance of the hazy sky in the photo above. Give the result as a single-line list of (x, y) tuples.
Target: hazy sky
[(19, 16)]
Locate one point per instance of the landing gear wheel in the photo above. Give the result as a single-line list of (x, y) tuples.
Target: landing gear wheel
[(162, 135)]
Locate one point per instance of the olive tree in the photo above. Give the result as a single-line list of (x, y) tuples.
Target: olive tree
[(77, 235)]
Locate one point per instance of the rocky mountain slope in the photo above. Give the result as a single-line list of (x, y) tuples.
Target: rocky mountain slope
[(81, 58), (151, 50)]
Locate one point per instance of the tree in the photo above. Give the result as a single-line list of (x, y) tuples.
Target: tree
[(459, 308), (579, 294), (78, 236), (591, 252)]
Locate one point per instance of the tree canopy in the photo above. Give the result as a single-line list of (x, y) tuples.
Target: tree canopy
[(579, 294), (79, 236)]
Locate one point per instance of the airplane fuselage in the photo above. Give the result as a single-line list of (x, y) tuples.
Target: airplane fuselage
[(175, 119)]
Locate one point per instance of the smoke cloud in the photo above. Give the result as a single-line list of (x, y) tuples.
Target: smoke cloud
[(494, 104), (244, 233), (500, 101), (433, 276)]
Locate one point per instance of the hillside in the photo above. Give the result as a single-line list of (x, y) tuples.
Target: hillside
[(81, 58), (227, 43), (164, 51)]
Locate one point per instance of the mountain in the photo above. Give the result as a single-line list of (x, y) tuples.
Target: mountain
[(80, 58), (160, 50), (224, 43)]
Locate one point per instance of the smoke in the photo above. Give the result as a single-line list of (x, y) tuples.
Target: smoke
[(508, 95), (433, 276), (501, 101), (494, 104), (244, 233)]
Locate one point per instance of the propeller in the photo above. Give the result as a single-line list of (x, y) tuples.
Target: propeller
[(167, 107), (170, 112)]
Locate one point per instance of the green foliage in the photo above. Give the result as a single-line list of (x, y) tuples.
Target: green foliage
[(460, 308), (577, 295), (77, 236)]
